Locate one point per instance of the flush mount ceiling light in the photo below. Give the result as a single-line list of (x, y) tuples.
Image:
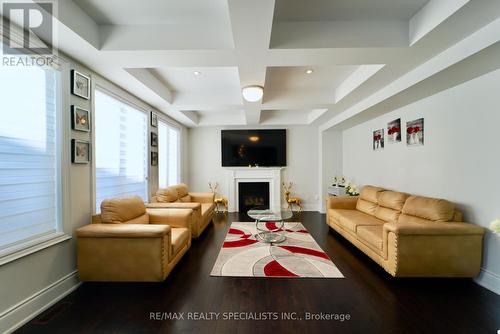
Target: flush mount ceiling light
[(254, 138), (196, 73), (309, 71), (252, 93)]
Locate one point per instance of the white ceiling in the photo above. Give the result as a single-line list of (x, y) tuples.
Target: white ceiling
[(362, 52), (151, 12), (328, 10)]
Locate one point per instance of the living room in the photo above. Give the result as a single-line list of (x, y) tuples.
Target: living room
[(242, 166)]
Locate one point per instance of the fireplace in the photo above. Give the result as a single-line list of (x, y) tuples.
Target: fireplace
[(252, 194)]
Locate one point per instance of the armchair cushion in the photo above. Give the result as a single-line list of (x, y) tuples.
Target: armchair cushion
[(166, 195), (202, 197), (174, 217), (124, 210), (182, 190), (180, 238), (122, 231), (185, 199)]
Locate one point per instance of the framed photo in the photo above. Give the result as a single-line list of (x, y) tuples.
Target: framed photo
[(154, 139), (378, 139), (154, 158), (80, 119), (154, 120), (80, 84), (394, 131), (415, 132), (80, 151)]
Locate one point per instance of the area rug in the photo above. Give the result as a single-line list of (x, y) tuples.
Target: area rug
[(244, 255)]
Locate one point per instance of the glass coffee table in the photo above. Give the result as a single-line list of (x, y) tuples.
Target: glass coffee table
[(270, 222)]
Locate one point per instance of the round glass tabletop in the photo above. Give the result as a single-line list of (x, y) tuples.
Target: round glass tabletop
[(270, 214)]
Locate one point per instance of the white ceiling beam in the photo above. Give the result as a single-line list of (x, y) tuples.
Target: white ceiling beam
[(150, 81), (353, 81), (339, 34), (166, 37), (430, 16), (251, 23), (481, 39), (191, 115)]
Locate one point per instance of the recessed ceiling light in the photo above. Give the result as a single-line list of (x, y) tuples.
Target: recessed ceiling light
[(254, 138), (309, 71), (252, 93), (196, 72)]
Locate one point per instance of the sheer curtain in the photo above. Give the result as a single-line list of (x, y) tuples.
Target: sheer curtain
[(121, 148), (30, 182), (168, 154)]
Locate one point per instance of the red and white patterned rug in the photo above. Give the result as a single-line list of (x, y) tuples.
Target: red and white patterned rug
[(242, 255)]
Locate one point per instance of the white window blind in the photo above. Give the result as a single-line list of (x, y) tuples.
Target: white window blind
[(121, 147), (30, 200), (168, 154)]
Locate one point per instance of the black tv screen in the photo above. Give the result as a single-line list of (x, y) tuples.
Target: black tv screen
[(265, 148)]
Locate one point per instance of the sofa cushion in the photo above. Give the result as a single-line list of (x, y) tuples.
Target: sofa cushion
[(386, 214), (166, 195), (351, 219), (392, 199), (366, 207), (124, 210), (370, 193), (180, 237), (371, 236), (429, 208)]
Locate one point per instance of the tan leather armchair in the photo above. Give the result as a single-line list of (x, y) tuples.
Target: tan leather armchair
[(407, 235), (128, 242), (178, 197)]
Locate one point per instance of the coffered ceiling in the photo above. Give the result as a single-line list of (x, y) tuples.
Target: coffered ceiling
[(191, 58)]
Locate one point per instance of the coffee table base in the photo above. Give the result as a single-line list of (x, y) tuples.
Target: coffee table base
[(271, 237)]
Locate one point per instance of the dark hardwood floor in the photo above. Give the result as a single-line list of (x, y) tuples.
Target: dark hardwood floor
[(375, 302)]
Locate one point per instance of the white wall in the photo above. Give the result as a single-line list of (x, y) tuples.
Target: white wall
[(330, 161), (302, 159), (459, 162)]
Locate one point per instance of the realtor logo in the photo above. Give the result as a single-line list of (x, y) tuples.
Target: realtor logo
[(34, 19)]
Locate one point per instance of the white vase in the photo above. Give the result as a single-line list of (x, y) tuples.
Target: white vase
[(395, 136)]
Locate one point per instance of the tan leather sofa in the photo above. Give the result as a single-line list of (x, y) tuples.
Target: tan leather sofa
[(128, 242), (178, 197), (408, 235)]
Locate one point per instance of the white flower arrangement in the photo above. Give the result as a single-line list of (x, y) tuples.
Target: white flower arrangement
[(495, 226), (351, 189)]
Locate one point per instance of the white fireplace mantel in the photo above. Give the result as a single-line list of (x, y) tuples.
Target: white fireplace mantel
[(234, 175)]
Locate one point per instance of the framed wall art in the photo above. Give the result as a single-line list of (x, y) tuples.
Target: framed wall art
[(80, 151), (80, 119), (80, 84)]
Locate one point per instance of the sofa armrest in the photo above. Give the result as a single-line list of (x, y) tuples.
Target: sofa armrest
[(341, 202), (202, 197), (433, 228), (122, 231), (174, 205), (174, 218)]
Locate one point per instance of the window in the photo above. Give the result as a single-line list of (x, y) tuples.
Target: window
[(30, 157), (121, 148), (168, 154)]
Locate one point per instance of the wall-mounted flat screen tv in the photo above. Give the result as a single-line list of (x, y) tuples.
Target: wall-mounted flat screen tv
[(264, 148)]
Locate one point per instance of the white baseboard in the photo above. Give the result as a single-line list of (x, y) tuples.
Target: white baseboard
[(19, 314), (489, 280)]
